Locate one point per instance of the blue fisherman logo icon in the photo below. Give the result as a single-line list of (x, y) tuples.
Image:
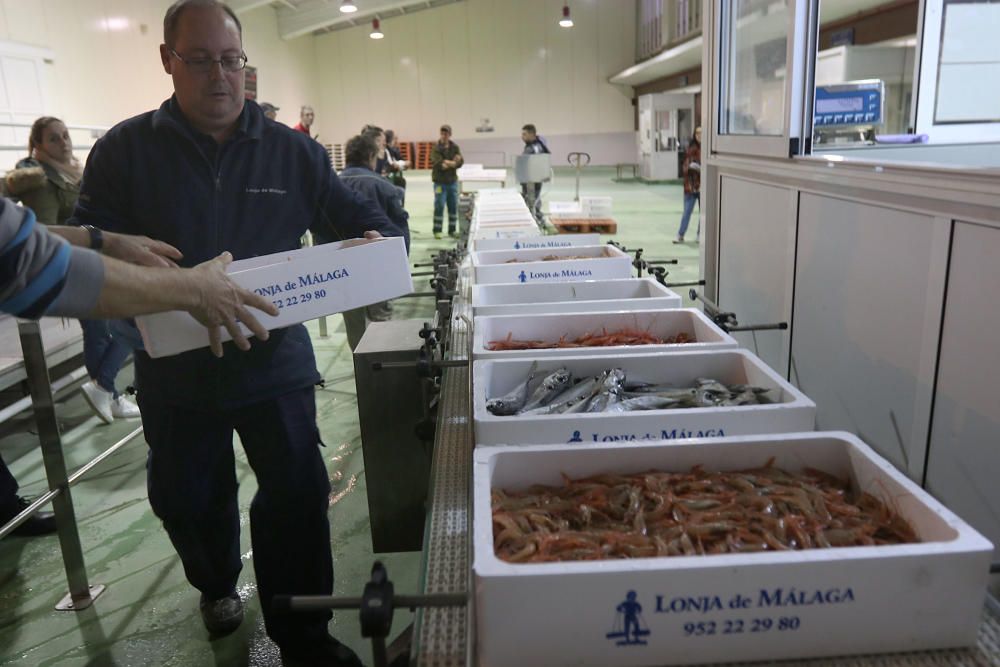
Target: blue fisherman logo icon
[(522, 277), (517, 245), (629, 624), (576, 437)]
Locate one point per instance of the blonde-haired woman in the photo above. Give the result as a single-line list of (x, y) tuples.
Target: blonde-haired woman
[(48, 182)]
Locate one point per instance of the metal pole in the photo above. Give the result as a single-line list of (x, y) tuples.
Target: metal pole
[(69, 380), (81, 595)]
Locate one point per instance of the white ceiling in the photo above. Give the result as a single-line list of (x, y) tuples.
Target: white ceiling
[(304, 17)]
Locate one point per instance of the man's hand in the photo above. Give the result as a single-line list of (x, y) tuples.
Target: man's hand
[(140, 250), (221, 302), (371, 234)]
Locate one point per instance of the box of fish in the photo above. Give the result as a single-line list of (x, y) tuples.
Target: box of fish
[(584, 296), (731, 549), (536, 241), (630, 398), (545, 265), (575, 334)]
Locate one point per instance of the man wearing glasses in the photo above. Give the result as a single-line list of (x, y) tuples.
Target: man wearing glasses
[(206, 173)]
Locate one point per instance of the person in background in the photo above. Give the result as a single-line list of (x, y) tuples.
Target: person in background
[(397, 165), (50, 150), (42, 274), (532, 192), (270, 111), (381, 157), (692, 185), (446, 158), (361, 156), (268, 185), (306, 118)]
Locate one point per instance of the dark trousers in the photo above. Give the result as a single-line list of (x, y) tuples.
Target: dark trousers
[(192, 489), (8, 493), (103, 355), (532, 193)]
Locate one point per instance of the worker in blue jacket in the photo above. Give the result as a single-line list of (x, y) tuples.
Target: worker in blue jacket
[(207, 172)]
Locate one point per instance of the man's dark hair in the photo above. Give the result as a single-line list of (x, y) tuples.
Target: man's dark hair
[(360, 151), (389, 136), (530, 128), (372, 131), (173, 16)]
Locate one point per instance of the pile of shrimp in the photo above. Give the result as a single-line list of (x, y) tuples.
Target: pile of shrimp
[(654, 513), (556, 258), (604, 339)]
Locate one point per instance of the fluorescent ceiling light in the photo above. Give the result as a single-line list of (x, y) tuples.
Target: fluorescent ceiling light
[(348, 7), (566, 21), (376, 30)]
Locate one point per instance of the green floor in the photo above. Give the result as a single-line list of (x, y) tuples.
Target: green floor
[(148, 616)]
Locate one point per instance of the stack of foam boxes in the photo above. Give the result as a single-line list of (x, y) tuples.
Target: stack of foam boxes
[(681, 609)]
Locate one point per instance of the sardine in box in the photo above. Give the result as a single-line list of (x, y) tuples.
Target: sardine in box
[(305, 284), (729, 607), (551, 241), (583, 296), (597, 262), (790, 410), (552, 327)]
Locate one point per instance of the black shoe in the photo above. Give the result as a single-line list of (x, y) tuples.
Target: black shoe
[(221, 616), (39, 523), (328, 652)]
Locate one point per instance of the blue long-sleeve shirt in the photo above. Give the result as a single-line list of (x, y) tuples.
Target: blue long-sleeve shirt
[(255, 194)]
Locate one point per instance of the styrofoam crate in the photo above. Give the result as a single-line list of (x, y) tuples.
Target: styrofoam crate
[(595, 207), (506, 232), (789, 411), (729, 607), (573, 297), (552, 327), (551, 241), (593, 263), (564, 209)]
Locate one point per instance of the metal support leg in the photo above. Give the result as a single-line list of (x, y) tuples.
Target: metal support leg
[(322, 328), (81, 594)]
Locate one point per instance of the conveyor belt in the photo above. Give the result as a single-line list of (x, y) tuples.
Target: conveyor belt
[(445, 637)]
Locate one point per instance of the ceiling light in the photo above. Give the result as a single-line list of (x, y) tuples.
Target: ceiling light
[(566, 21), (376, 30), (348, 7)]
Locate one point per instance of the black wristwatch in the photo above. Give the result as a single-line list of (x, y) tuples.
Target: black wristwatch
[(96, 237)]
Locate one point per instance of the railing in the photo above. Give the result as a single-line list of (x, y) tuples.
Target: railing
[(81, 593), (661, 23)]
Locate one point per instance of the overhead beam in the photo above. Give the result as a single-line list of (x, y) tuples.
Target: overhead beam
[(318, 14), (244, 6)]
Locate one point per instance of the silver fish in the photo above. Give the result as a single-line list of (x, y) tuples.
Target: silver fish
[(553, 385), (642, 403), (610, 393), (514, 401), (571, 399)]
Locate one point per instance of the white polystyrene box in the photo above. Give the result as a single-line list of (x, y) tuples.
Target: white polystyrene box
[(551, 327), (565, 209), (902, 597), (506, 232), (789, 411), (551, 241), (598, 262), (596, 207), (305, 284), (573, 297)]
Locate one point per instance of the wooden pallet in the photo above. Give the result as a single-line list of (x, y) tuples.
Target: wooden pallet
[(423, 154), (585, 225)]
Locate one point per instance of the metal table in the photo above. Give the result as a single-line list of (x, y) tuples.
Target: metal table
[(445, 637)]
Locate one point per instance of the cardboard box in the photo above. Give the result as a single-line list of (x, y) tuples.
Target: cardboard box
[(306, 284), (729, 607), (581, 263), (526, 243), (789, 411), (552, 327), (572, 297)]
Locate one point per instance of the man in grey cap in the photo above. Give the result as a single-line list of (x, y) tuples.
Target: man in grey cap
[(270, 111)]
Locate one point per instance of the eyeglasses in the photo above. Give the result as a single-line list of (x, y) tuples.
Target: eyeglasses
[(204, 65)]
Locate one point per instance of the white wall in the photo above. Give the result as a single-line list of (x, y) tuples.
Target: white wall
[(106, 65), (506, 60)]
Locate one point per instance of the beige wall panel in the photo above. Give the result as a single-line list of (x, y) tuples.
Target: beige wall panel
[(405, 87), (561, 80), (455, 47)]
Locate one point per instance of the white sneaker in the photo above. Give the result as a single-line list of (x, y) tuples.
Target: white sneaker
[(122, 408), (99, 400)]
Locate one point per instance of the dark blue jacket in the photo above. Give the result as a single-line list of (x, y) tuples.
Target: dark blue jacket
[(255, 194), (371, 186)]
